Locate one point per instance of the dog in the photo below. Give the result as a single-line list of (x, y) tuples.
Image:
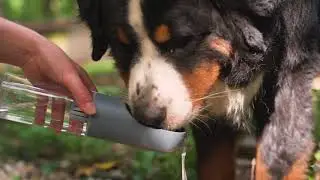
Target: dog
[(225, 67)]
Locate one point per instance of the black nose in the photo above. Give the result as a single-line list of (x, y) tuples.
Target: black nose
[(152, 117)]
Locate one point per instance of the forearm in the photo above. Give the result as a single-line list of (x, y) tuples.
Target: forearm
[(18, 44)]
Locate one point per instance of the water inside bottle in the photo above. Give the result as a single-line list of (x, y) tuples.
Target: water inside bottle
[(22, 102)]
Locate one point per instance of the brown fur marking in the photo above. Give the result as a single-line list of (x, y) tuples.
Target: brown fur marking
[(162, 34), (221, 46), (201, 80), (261, 172), (299, 169)]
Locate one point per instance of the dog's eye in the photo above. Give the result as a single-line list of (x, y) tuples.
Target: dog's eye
[(181, 42), (175, 44), (171, 51)]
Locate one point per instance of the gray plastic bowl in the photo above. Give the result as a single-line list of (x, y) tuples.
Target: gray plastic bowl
[(114, 122)]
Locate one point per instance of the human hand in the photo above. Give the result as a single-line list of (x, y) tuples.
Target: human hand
[(50, 68)]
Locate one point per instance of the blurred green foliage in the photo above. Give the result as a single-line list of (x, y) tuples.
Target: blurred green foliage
[(38, 10), (98, 70), (100, 67)]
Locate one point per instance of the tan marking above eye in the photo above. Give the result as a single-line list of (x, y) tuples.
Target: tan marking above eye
[(122, 36), (222, 46), (162, 34)]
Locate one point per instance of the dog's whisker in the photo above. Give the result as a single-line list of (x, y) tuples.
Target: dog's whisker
[(212, 94), (202, 116), (195, 125), (213, 97), (215, 94), (203, 122), (204, 108), (195, 114)]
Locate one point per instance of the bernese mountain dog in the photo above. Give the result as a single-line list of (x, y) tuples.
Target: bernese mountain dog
[(224, 67)]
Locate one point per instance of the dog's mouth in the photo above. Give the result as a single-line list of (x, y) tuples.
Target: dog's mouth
[(144, 123), (141, 121)]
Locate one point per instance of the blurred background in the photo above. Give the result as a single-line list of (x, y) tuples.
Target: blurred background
[(35, 153)]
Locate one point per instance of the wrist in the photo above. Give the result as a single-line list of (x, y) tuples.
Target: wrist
[(35, 51)]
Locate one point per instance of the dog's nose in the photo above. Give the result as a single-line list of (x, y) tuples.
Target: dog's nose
[(150, 116)]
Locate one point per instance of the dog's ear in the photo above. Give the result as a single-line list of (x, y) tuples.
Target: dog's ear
[(250, 34), (90, 12)]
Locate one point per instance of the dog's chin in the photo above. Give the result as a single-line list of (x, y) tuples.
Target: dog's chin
[(178, 124), (181, 123)]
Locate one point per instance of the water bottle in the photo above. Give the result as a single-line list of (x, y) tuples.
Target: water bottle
[(23, 102)]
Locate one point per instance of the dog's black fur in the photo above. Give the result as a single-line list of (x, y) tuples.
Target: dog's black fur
[(288, 126), (276, 37)]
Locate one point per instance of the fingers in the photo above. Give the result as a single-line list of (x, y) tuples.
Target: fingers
[(77, 85), (86, 78), (79, 91), (76, 126), (65, 74)]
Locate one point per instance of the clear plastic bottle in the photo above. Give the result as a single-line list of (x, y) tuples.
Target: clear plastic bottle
[(22, 102)]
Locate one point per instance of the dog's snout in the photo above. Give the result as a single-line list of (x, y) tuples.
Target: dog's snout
[(157, 94), (152, 116)]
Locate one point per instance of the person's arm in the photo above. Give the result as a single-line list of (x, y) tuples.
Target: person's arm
[(18, 44), (44, 62)]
